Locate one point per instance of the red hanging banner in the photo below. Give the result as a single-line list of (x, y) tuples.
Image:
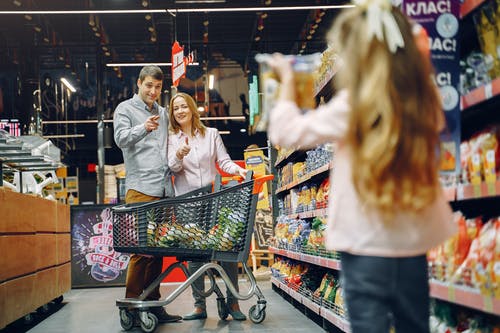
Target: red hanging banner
[(178, 64)]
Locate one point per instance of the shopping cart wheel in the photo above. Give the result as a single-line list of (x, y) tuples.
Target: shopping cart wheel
[(150, 324), (222, 308), (255, 315), (126, 319)]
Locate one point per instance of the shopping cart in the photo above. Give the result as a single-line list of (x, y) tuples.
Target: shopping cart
[(208, 224)]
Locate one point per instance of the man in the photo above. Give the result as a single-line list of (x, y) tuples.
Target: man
[(141, 131)]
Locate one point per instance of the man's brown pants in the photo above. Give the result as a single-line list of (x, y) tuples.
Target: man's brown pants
[(142, 270)]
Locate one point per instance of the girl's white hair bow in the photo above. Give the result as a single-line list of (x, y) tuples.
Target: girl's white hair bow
[(380, 19)]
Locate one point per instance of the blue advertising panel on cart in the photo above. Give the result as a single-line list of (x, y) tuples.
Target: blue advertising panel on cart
[(94, 262)]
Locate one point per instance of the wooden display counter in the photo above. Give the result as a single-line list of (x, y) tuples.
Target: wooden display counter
[(35, 253)]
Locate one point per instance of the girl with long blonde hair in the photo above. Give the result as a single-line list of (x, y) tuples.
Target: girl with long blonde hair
[(386, 206)]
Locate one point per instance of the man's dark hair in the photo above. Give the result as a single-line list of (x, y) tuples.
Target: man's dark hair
[(154, 71)]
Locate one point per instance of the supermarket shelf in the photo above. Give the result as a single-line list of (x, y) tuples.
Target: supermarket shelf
[(468, 297), (305, 178), (482, 190), (295, 295), (335, 320), (481, 94), (324, 79), (308, 214), (327, 314), (288, 157), (468, 6), (312, 259)]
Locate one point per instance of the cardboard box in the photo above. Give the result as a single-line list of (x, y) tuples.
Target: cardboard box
[(63, 248), (46, 253), (3, 323), (44, 214), (17, 212), (63, 223), (46, 287), (18, 297), (17, 255), (63, 278)]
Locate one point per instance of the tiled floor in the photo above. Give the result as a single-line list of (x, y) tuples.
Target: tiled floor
[(94, 310)]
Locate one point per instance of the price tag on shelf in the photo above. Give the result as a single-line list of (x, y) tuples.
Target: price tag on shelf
[(488, 304), (451, 293), (460, 191), (488, 91), (491, 189), (477, 191)]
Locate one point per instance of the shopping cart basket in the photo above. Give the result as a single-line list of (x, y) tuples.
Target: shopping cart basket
[(203, 225)]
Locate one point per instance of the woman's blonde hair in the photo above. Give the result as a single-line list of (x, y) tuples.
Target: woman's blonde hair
[(393, 125), (196, 123)]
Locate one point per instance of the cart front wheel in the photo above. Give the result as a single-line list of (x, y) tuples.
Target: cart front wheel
[(126, 319), (222, 308), (255, 315), (150, 324)]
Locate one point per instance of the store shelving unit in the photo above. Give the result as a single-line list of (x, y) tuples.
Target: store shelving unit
[(306, 257), (315, 305), (481, 94), (305, 178), (465, 296)]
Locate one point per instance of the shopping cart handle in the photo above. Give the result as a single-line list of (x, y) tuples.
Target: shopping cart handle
[(259, 181)]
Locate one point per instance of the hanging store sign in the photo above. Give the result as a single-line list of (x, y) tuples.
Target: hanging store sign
[(178, 65), (440, 18)]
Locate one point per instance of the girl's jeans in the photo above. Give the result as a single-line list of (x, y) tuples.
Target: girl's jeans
[(381, 292)]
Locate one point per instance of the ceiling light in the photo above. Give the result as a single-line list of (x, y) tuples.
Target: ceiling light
[(264, 15), (68, 85), (257, 38), (201, 109), (147, 17), (224, 132), (17, 3), (107, 53), (254, 9), (238, 118), (90, 11), (211, 79), (173, 11), (151, 29), (46, 39), (37, 28), (199, 1), (243, 130), (309, 37), (144, 3), (142, 64), (28, 17)]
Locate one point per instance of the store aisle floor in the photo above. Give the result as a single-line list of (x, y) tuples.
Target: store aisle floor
[(94, 310)]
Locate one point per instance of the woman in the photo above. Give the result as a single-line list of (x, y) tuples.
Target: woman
[(193, 151)]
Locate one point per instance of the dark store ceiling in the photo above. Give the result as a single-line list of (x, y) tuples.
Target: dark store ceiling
[(220, 38)]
